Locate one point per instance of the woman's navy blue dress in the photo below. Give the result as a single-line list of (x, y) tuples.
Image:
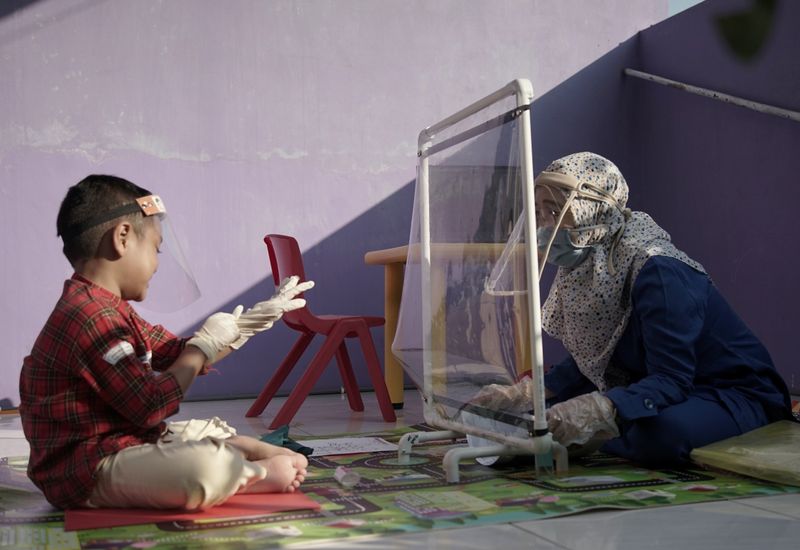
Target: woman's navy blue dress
[(696, 373)]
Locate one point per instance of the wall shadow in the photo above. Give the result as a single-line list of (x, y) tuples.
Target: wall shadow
[(8, 7), (722, 179)]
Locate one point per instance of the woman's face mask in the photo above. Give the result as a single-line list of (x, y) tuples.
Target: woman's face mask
[(563, 252)]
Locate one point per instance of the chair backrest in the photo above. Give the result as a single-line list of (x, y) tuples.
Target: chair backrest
[(285, 260)]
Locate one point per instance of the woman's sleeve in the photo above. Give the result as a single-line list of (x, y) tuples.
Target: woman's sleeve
[(566, 381), (668, 305)]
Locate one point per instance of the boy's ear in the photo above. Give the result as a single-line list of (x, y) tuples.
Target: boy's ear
[(120, 237)]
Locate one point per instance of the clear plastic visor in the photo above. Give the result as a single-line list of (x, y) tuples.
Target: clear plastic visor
[(550, 203), (173, 286)]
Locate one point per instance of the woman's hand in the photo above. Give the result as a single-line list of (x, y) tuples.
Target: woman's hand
[(582, 418)]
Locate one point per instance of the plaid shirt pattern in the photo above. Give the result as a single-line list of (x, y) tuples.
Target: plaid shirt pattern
[(90, 388)]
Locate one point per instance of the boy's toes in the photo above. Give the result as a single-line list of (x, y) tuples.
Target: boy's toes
[(300, 462)]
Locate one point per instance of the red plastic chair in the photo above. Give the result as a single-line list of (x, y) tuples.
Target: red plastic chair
[(286, 260)]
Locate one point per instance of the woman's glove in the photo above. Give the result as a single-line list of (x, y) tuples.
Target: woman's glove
[(217, 333), (501, 397), (261, 316), (581, 418)]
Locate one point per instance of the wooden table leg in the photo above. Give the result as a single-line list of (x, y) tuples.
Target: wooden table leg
[(393, 293)]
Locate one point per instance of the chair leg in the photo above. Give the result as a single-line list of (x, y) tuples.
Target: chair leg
[(348, 378), (309, 378), (280, 375), (375, 373)]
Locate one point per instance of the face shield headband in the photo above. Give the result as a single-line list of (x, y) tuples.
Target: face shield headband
[(574, 189), (150, 205), (174, 286)]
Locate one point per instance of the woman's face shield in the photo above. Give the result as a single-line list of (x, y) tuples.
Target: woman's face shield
[(556, 233), (549, 205), (572, 217), (173, 286)]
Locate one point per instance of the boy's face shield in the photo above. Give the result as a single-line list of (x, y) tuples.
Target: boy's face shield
[(173, 286)]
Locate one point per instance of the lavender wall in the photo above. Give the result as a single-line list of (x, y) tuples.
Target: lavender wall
[(251, 117)]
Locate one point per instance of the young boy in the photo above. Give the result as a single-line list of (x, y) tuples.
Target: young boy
[(100, 380)]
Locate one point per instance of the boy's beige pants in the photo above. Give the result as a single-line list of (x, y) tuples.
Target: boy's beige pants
[(190, 467)]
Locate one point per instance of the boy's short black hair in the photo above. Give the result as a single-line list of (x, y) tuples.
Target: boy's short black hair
[(87, 212)]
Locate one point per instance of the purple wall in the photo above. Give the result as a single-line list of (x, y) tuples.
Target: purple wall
[(250, 117), (720, 178), (723, 179)]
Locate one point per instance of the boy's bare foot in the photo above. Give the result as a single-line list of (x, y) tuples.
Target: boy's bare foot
[(255, 449), (284, 474)]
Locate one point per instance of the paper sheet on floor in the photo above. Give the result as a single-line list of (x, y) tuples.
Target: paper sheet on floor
[(348, 445)]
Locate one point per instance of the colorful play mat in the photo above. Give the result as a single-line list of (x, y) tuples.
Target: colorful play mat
[(388, 499)]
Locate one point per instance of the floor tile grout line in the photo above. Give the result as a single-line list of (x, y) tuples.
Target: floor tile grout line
[(542, 537), (763, 509)]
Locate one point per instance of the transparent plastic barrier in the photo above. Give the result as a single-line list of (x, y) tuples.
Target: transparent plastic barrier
[(464, 319)]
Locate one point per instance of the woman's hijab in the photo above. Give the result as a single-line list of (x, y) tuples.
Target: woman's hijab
[(589, 305)]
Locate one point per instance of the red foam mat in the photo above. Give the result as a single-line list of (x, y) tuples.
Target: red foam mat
[(237, 506)]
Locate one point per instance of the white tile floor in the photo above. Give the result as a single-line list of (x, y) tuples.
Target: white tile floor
[(757, 523)]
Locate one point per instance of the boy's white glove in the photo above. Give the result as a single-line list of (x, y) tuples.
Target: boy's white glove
[(217, 333), (261, 316), (577, 420), (501, 397)]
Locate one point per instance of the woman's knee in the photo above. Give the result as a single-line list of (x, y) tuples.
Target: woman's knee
[(658, 441), (668, 438)]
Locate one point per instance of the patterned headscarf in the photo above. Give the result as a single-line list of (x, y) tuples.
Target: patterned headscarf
[(589, 306)]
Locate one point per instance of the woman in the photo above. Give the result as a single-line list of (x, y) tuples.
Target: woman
[(659, 362)]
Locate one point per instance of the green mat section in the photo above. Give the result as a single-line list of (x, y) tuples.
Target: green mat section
[(390, 499)]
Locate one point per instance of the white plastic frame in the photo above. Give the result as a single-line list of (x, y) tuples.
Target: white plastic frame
[(540, 444)]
